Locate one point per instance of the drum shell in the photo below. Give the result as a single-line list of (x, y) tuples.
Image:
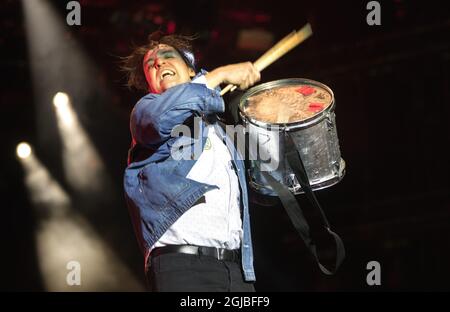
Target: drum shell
[(315, 139)]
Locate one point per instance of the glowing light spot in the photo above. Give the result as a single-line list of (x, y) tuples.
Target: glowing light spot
[(23, 150), (62, 104), (60, 100)]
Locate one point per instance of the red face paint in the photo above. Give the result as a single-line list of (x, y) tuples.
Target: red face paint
[(305, 90), (315, 107), (144, 66)]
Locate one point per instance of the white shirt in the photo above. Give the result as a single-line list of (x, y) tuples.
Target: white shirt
[(217, 222)]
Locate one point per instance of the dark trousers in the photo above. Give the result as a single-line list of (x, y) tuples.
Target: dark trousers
[(195, 273)]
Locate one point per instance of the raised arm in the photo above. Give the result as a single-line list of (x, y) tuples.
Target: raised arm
[(243, 75), (155, 115)]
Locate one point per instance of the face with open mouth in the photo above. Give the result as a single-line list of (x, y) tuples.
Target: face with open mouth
[(164, 68)]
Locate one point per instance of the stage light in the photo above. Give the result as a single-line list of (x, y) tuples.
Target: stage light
[(62, 103), (23, 150), (83, 166), (63, 74), (64, 236), (60, 99)]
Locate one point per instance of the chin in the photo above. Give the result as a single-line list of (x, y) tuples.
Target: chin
[(169, 85)]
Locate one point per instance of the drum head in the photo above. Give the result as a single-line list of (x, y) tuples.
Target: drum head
[(293, 102)]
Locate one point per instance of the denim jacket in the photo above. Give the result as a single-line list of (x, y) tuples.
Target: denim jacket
[(156, 188)]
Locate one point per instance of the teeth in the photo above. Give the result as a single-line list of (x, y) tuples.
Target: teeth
[(166, 72)]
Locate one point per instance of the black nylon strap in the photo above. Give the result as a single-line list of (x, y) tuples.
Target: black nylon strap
[(233, 105), (297, 166), (294, 211)]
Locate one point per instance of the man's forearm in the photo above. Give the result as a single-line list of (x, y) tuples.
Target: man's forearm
[(214, 78), (242, 75)]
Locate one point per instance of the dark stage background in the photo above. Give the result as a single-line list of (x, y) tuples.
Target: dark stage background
[(391, 84)]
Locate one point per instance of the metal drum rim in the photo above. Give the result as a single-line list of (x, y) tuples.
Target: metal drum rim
[(286, 82)]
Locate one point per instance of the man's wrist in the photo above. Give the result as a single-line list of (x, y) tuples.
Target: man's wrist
[(214, 78), (201, 80)]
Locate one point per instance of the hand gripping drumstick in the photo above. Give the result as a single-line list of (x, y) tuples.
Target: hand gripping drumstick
[(278, 50)]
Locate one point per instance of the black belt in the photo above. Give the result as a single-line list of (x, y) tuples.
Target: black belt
[(217, 253)]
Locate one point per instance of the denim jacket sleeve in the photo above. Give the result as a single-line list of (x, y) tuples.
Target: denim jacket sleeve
[(155, 115)]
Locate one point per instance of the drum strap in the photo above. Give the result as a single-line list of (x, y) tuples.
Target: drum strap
[(294, 211), (289, 201)]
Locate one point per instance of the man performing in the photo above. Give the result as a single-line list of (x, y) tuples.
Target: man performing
[(190, 216)]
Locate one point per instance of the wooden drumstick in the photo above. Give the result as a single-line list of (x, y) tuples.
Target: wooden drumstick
[(278, 50), (277, 46)]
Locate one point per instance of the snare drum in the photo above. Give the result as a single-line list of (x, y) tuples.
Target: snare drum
[(305, 110)]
